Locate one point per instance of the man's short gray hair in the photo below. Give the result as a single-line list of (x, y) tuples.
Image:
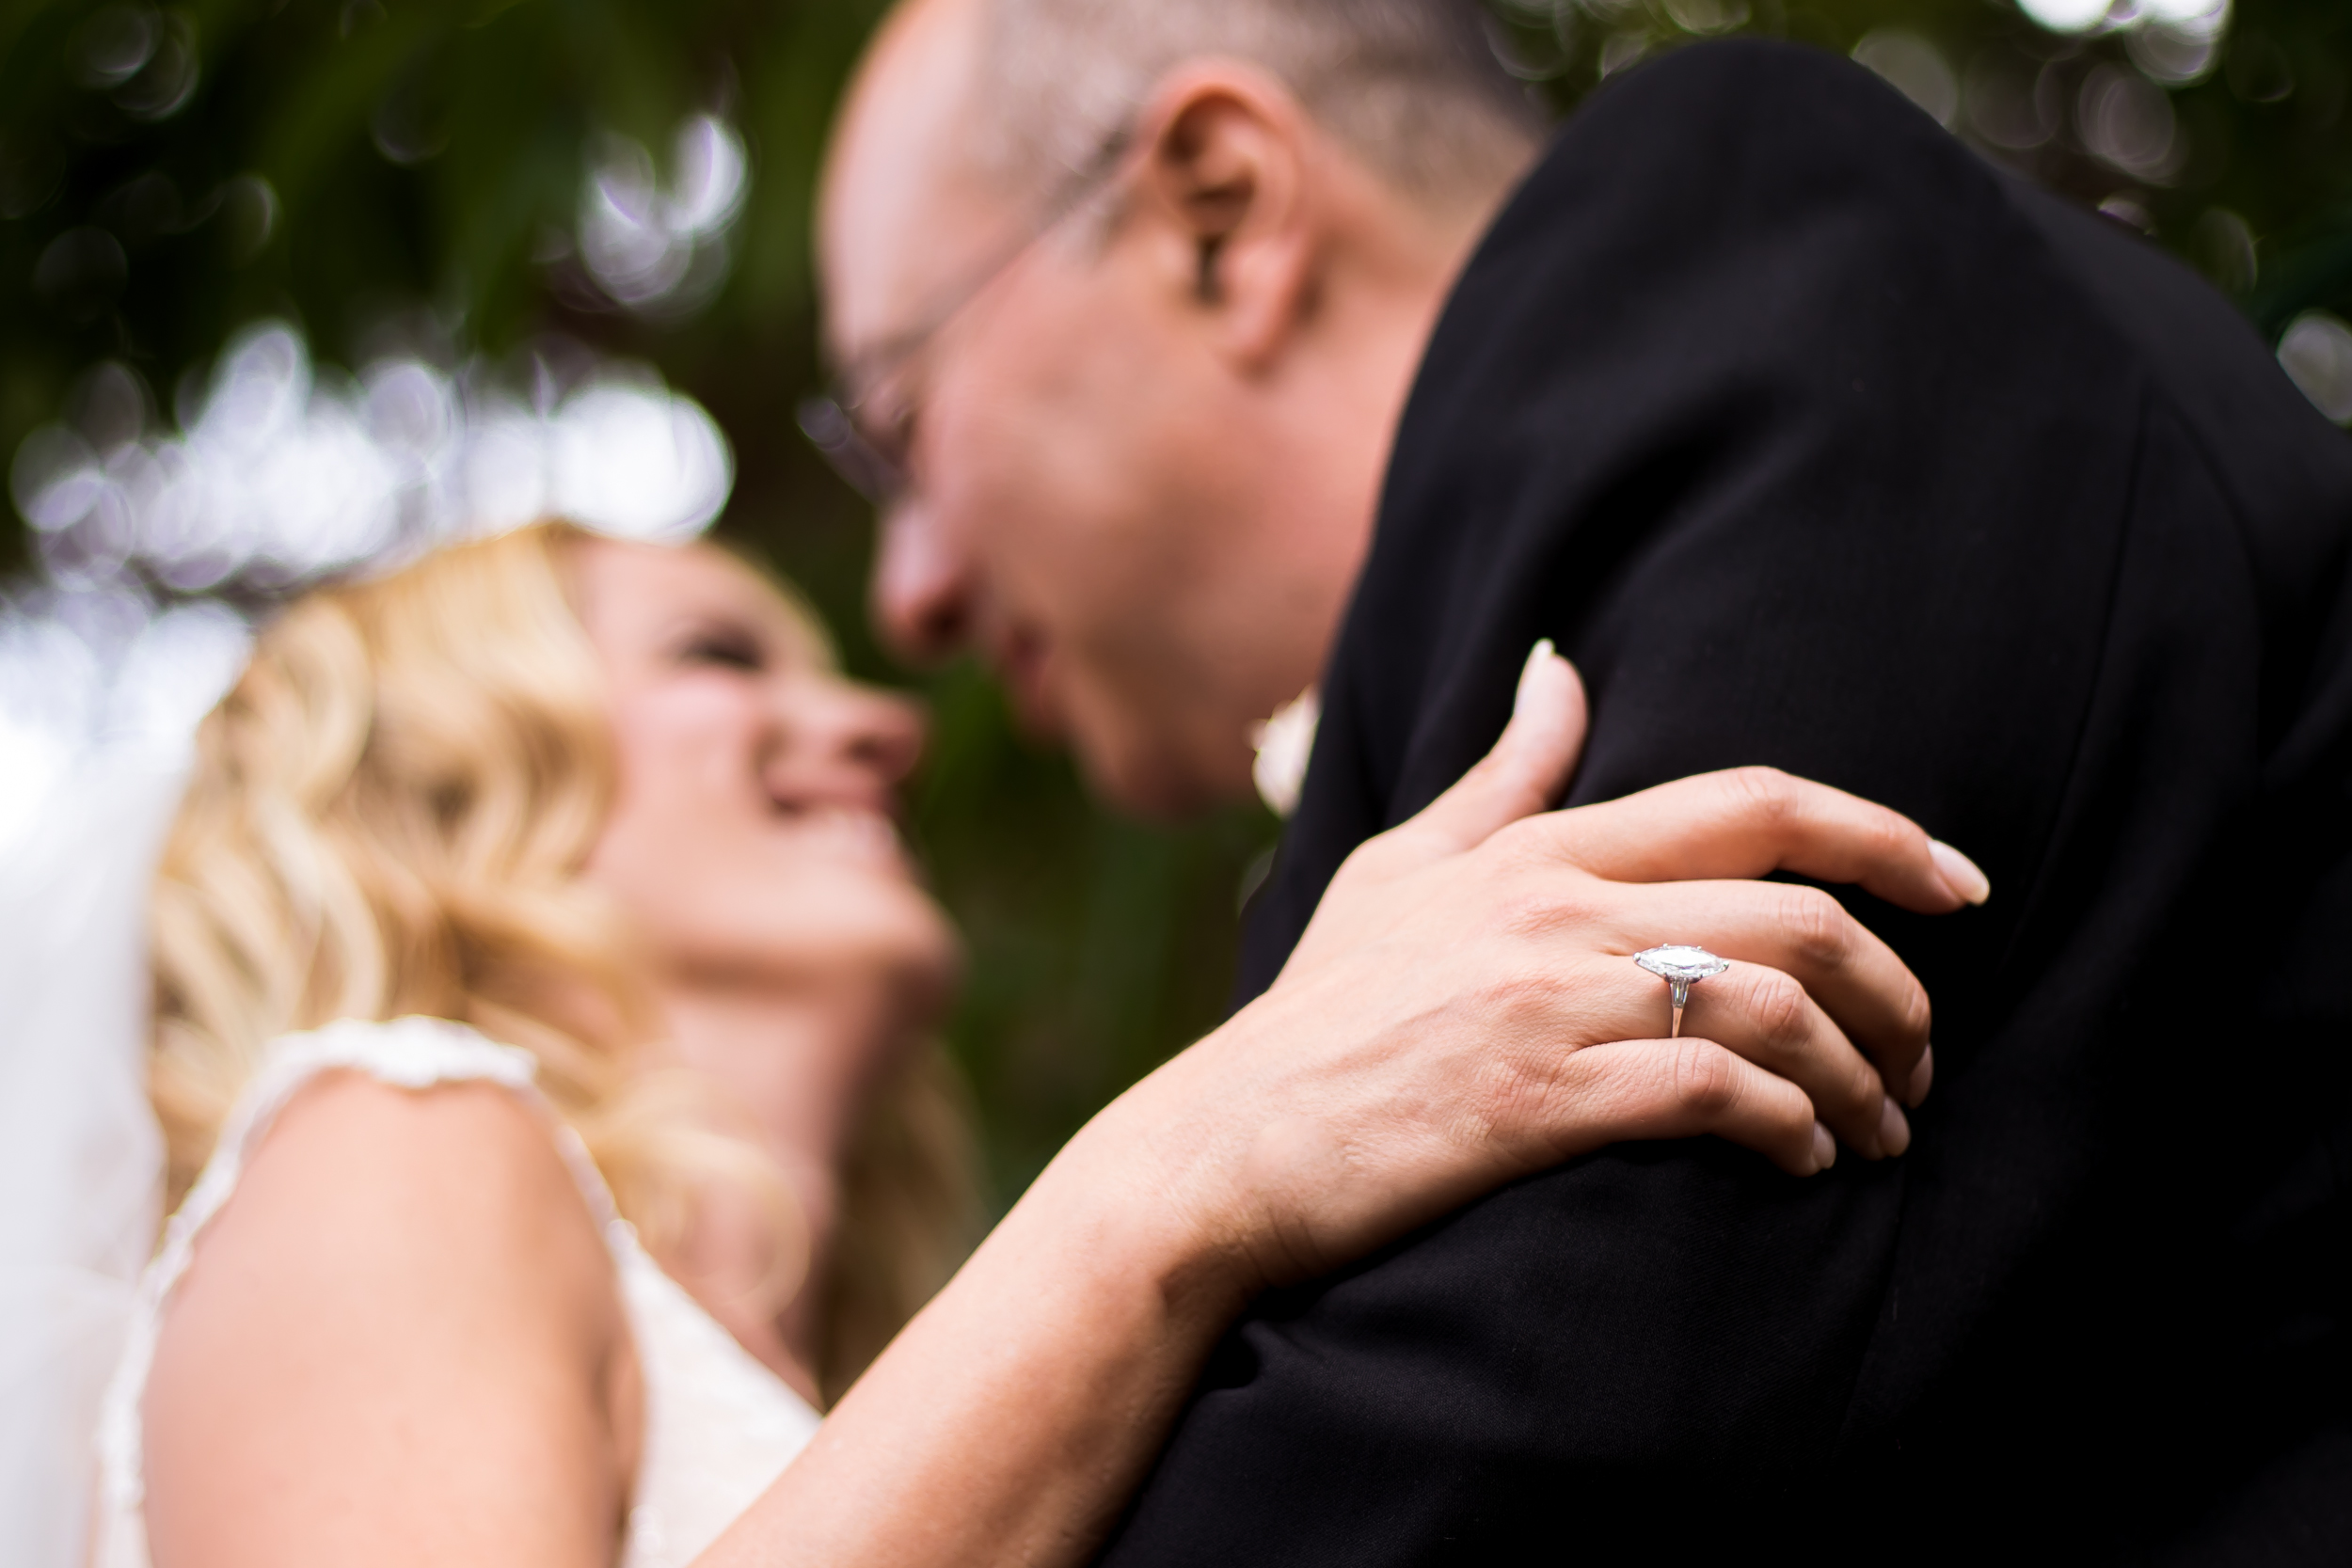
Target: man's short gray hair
[(1412, 86)]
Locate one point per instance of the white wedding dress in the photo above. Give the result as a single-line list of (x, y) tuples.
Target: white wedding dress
[(719, 1426)]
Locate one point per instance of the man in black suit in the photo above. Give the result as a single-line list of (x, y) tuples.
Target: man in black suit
[(1815, 442)]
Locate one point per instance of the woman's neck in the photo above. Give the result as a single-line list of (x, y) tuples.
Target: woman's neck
[(797, 1061)]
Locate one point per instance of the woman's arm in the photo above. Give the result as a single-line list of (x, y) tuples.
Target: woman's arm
[(1462, 1012), (401, 1342)]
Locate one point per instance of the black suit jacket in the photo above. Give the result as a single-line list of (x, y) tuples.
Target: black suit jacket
[(1814, 441)]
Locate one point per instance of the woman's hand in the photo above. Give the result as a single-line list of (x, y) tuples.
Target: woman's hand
[(1463, 1008)]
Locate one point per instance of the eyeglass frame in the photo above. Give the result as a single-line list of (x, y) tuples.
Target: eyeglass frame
[(874, 464)]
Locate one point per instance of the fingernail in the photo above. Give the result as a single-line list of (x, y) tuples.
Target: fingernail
[(1894, 1129), (1922, 1077), (1960, 872), (1825, 1148), (1537, 657)]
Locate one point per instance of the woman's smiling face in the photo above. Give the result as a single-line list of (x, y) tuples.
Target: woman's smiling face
[(752, 837)]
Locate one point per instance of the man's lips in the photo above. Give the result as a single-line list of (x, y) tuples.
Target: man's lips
[(1021, 661)]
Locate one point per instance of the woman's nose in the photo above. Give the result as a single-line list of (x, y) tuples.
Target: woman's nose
[(861, 730), (889, 736)]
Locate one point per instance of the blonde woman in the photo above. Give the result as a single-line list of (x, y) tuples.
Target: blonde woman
[(541, 1040)]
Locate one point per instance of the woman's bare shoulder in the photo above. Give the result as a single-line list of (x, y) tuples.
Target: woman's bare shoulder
[(401, 1337), (418, 1195)]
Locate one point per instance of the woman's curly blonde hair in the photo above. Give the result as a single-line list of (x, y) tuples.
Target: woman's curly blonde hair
[(389, 815)]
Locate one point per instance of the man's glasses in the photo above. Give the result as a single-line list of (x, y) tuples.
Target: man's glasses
[(864, 433)]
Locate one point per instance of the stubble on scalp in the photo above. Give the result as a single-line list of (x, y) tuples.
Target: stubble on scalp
[(1410, 86)]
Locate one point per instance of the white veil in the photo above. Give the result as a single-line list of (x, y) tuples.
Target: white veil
[(80, 1159)]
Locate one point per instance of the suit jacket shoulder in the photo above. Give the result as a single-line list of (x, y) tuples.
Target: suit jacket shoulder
[(1817, 442)]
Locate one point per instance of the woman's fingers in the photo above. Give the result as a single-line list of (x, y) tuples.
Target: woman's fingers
[(1749, 822), (1688, 1088), (1524, 774), (1764, 1016), (1806, 934)]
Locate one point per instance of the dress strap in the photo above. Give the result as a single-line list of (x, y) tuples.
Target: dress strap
[(406, 1053)]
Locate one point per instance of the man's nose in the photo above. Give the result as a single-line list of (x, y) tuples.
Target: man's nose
[(922, 586)]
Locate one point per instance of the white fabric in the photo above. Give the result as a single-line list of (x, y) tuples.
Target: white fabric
[(1284, 744), (719, 1426), (81, 1160)]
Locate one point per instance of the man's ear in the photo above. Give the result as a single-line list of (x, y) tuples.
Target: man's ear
[(1225, 153)]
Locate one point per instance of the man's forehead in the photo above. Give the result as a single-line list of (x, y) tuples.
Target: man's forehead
[(901, 214)]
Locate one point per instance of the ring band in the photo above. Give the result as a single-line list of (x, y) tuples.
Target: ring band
[(1681, 967)]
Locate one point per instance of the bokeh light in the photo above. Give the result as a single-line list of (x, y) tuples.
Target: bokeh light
[(282, 473), (2127, 121), (1915, 68), (2066, 16), (656, 246), (2317, 353)]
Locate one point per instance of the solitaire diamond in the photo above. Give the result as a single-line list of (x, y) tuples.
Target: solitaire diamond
[(1680, 964)]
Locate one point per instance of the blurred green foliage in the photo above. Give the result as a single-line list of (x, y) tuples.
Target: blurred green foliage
[(2246, 172), (409, 170)]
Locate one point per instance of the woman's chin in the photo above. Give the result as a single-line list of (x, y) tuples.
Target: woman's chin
[(882, 931)]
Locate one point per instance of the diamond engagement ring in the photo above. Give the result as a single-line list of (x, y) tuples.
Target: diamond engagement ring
[(1682, 968)]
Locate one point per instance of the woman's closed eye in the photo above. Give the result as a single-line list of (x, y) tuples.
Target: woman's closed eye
[(728, 648)]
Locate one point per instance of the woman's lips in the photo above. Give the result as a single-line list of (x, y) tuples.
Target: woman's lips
[(858, 834)]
